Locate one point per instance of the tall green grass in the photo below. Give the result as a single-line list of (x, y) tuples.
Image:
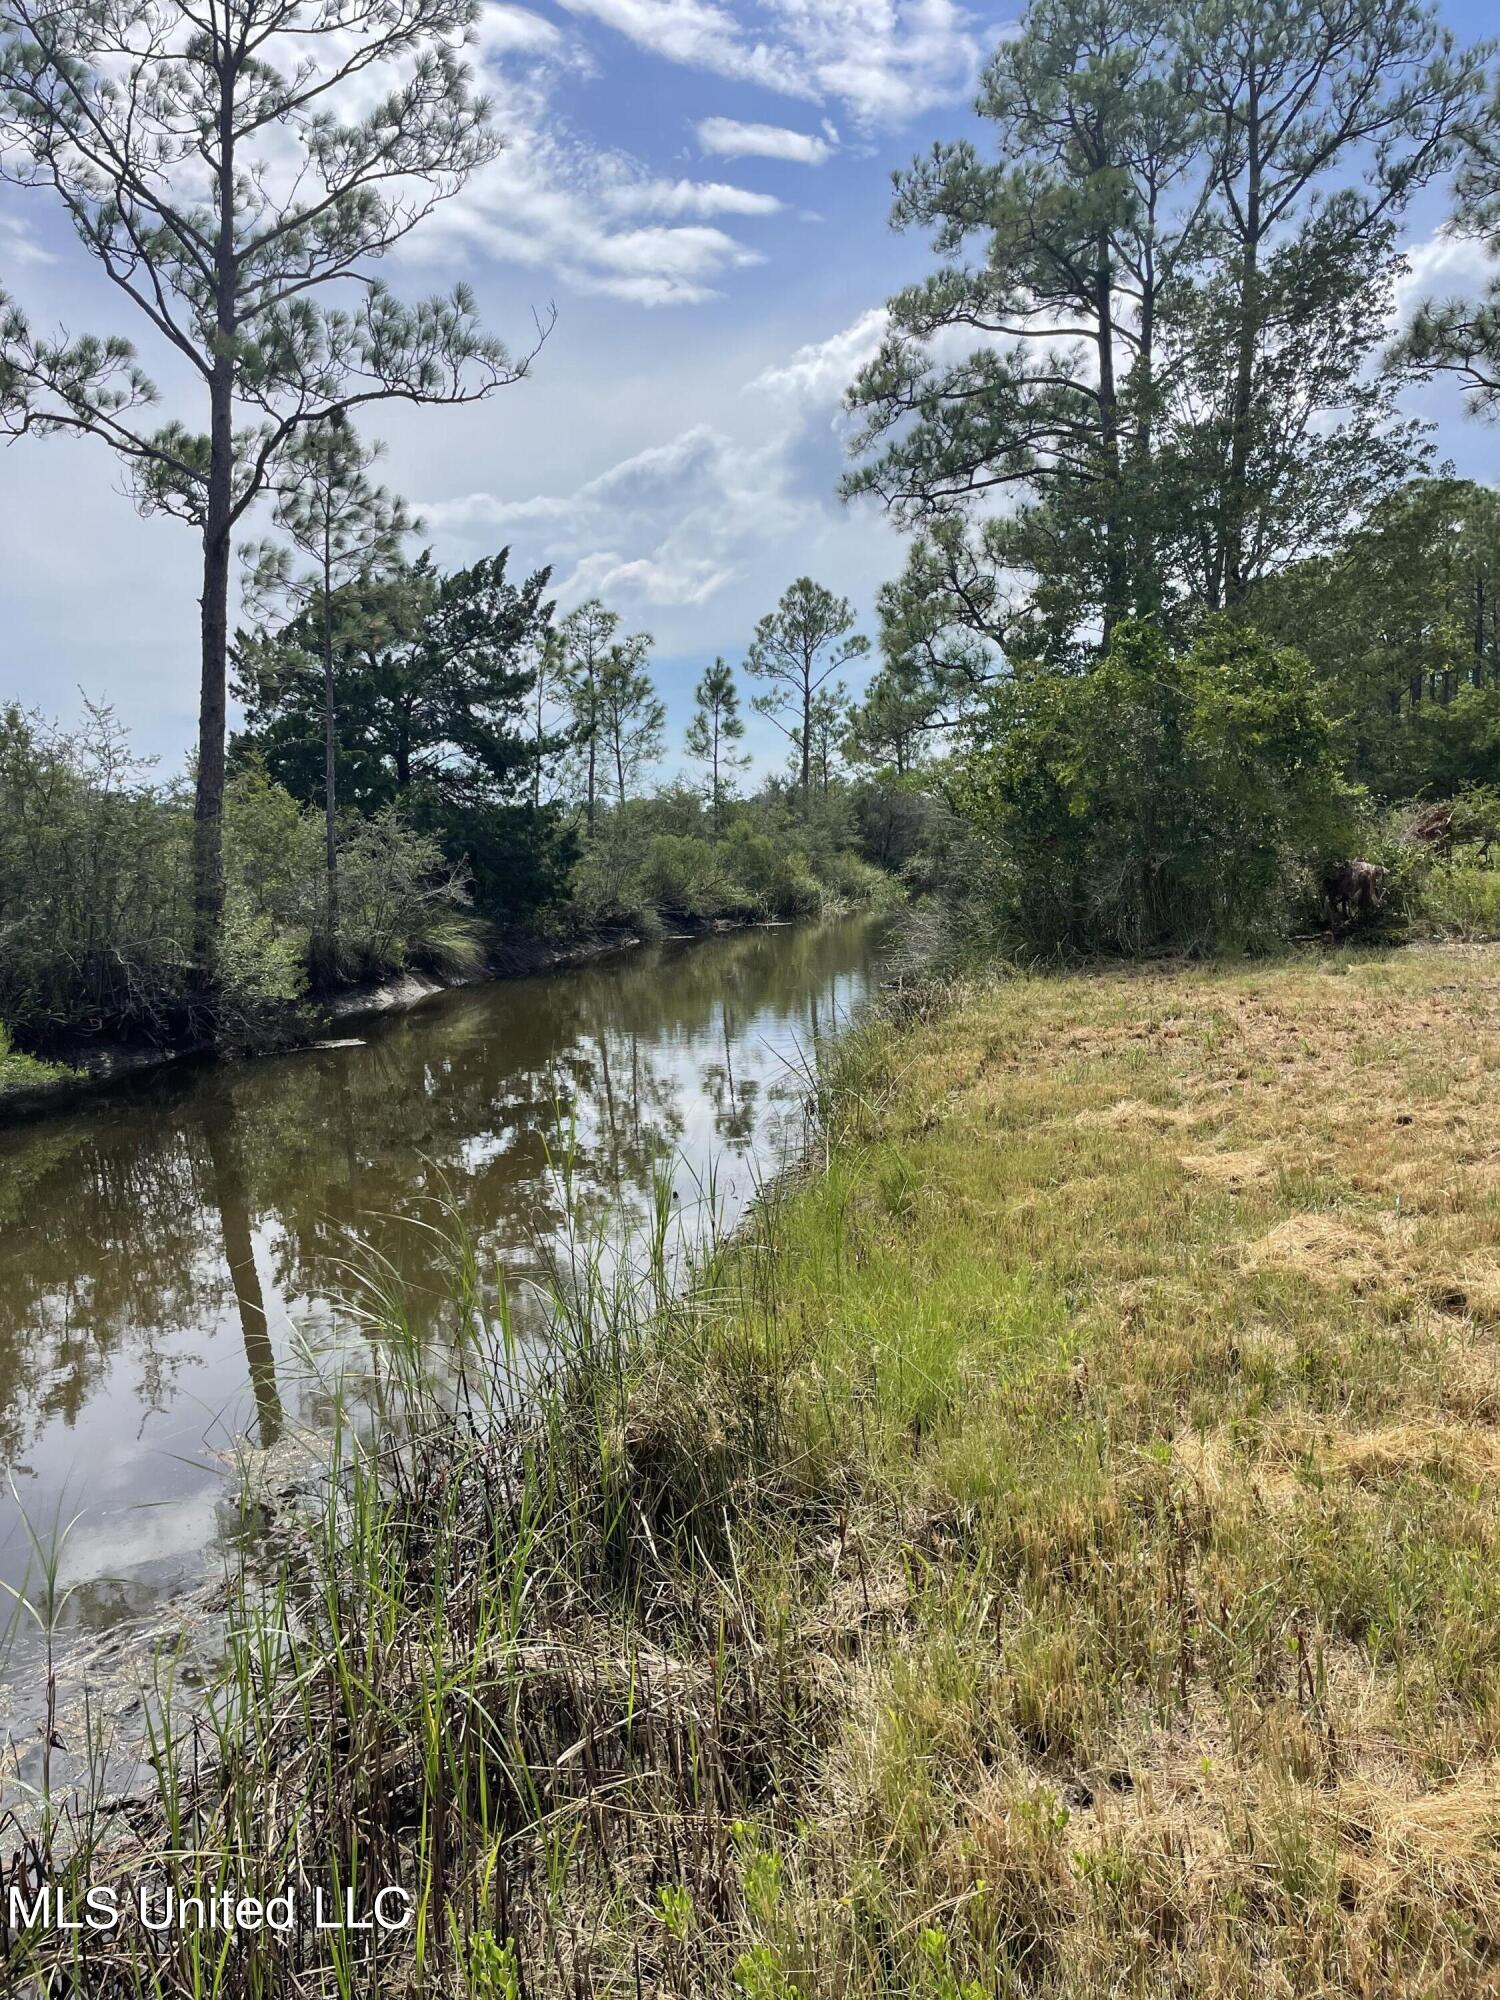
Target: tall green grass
[(509, 1660)]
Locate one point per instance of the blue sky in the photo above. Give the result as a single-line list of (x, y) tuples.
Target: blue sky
[(701, 187)]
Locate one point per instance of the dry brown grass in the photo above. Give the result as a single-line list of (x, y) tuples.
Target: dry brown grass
[(1200, 1689)]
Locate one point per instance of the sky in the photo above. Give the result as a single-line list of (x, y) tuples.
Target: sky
[(701, 189)]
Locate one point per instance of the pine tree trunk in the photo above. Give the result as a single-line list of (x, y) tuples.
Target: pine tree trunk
[(330, 782), (218, 523), (1235, 582), (208, 800), (807, 736), (593, 754), (1114, 607)]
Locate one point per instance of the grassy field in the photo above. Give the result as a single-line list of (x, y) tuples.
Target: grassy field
[(1054, 1553)]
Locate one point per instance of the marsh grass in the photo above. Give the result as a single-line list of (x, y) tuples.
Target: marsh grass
[(1052, 1550)]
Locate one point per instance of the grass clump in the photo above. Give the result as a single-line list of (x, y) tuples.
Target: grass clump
[(19, 1071), (1052, 1552)]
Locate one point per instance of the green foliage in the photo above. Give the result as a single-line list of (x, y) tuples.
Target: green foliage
[(19, 1071), (1196, 201), (669, 857), (715, 732), (96, 895), (1165, 800), (796, 651), (1400, 623), (94, 870), (434, 675), (1461, 337), (1461, 899)]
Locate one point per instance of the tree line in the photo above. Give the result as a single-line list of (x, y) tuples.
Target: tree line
[(1150, 381), (1190, 606)]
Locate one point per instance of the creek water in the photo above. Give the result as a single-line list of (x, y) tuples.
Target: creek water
[(173, 1252)]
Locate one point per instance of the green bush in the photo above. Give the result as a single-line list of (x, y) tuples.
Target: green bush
[(1460, 899), (18, 1071), (95, 882), (1163, 800), (401, 902), (96, 894), (684, 875)]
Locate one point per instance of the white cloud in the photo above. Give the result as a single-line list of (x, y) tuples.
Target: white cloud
[(1445, 263), (20, 246), (675, 524), (820, 372), (701, 35), (682, 197), (885, 59), (504, 30), (593, 219), (731, 139)]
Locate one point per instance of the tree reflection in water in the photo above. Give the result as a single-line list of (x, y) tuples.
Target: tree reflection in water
[(159, 1246)]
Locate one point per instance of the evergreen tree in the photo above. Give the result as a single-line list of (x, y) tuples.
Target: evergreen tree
[(1461, 337), (436, 676), (584, 640), (890, 726), (328, 511), (715, 730), (149, 119), (631, 718), (1179, 262), (796, 649)]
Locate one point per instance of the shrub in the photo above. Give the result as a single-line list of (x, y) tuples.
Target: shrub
[(1461, 899), (95, 893), (401, 902), (684, 875), (1164, 800)]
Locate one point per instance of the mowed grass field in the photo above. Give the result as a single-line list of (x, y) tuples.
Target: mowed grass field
[(1151, 1320)]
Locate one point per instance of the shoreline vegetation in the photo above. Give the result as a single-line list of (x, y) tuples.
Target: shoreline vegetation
[(1052, 1544), (29, 1087)]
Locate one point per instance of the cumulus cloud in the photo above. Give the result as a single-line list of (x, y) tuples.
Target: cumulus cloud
[(675, 524), (589, 217), (598, 220), (821, 371), (731, 139), (1445, 263)]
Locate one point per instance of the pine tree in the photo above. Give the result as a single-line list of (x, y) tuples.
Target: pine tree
[(151, 120), (327, 509), (584, 640), (796, 648), (717, 726), (631, 717)]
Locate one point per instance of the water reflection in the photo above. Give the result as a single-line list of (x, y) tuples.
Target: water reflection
[(163, 1250)]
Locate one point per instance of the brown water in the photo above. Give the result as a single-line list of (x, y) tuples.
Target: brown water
[(171, 1252)]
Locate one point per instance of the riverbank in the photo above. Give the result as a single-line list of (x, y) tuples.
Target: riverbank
[(29, 1086), (1051, 1551)]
